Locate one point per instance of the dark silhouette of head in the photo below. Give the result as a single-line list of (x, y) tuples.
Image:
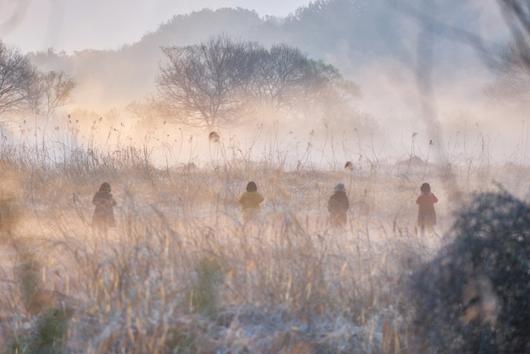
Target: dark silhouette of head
[(105, 188), (425, 188), (252, 187), (214, 137), (340, 188)]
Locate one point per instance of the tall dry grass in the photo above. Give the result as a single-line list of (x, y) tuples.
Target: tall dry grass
[(181, 273)]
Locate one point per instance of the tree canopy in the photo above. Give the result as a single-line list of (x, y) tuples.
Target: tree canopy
[(218, 81)]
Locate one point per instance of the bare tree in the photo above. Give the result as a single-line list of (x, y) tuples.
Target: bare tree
[(18, 81), (279, 73), (55, 88), (213, 83), (204, 83), (284, 76)]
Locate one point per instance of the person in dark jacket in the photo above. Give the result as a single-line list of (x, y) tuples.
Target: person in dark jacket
[(250, 201), (426, 212), (338, 206), (103, 217)]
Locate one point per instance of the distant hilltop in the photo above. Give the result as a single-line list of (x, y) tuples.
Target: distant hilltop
[(346, 33)]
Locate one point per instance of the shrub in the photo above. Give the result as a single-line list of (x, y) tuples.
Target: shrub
[(475, 296)]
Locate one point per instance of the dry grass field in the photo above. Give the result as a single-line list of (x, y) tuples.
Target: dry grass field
[(182, 273)]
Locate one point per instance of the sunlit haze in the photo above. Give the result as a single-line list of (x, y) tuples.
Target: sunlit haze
[(264, 176)]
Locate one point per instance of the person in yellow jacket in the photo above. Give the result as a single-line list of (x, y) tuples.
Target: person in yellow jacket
[(250, 201)]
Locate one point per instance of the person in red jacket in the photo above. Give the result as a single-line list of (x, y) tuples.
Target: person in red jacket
[(426, 212)]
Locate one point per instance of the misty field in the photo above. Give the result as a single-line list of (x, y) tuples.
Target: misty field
[(182, 273), (131, 177)]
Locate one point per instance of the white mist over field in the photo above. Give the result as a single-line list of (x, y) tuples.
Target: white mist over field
[(108, 81), (251, 176)]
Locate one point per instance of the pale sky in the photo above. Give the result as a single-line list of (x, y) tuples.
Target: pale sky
[(102, 24)]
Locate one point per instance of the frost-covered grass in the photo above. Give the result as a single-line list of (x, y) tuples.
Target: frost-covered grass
[(181, 273)]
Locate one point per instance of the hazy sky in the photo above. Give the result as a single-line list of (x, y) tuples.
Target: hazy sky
[(79, 24)]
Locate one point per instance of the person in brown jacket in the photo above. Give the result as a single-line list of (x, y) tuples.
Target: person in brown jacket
[(338, 206), (250, 201), (426, 212), (103, 217)]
